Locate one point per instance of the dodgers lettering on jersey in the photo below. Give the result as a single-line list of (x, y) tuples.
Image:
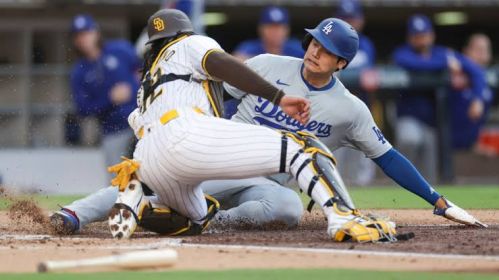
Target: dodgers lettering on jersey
[(273, 116), (338, 117)]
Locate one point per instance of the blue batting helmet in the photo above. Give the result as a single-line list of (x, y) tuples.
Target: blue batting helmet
[(336, 36)]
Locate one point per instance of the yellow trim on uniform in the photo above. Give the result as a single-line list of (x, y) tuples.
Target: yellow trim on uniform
[(161, 210), (305, 133), (292, 136), (313, 150), (168, 116), (212, 199), (339, 212), (206, 87), (141, 210), (153, 66), (205, 56), (182, 230)]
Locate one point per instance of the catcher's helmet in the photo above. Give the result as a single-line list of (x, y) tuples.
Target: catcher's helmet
[(167, 23), (336, 36)]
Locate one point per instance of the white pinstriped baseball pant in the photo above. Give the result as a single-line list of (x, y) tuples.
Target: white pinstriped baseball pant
[(176, 157)]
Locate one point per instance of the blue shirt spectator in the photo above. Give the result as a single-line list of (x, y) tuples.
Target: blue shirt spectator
[(93, 80), (351, 11), (468, 112), (273, 30), (421, 55), (104, 83), (366, 55), (421, 106), (415, 128), (250, 48), (358, 170)]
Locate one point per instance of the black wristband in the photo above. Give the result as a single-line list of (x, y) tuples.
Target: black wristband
[(277, 97)]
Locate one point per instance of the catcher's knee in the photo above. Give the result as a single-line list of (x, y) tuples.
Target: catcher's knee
[(321, 162), (166, 221)]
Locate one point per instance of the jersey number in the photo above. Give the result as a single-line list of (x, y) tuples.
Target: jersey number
[(150, 95)]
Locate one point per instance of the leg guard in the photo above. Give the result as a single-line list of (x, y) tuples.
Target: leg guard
[(323, 164), (166, 221), (314, 167)]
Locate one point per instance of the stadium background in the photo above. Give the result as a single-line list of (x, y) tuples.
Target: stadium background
[(36, 55)]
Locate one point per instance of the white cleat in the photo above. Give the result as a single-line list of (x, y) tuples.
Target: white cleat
[(458, 215), (127, 210)]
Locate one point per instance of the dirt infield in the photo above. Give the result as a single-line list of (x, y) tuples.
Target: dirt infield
[(441, 247)]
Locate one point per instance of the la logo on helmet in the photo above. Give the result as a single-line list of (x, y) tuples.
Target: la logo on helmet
[(328, 28), (159, 24)]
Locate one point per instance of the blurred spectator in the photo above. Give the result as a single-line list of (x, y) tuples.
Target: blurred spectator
[(194, 9), (104, 83), (273, 29), (355, 167), (479, 49), (415, 130), (469, 112)]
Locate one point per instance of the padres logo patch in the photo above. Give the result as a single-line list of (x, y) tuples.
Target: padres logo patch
[(159, 24)]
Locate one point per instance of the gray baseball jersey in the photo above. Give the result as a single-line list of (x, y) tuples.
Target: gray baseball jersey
[(338, 117)]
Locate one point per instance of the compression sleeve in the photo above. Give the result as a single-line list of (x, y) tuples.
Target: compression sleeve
[(227, 68), (401, 170)]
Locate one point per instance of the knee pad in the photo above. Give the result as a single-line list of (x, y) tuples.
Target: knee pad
[(324, 168)]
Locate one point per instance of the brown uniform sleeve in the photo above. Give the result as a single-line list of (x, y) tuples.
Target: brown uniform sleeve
[(227, 68)]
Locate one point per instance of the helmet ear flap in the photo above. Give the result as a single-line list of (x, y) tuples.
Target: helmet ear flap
[(306, 41)]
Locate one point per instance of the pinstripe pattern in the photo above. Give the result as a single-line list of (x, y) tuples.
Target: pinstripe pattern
[(178, 156), (182, 58)]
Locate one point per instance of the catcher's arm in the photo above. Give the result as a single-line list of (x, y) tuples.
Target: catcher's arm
[(225, 67)]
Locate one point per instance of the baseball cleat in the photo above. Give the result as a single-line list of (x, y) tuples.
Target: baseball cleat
[(360, 228), (65, 222), (457, 214), (127, 210)]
